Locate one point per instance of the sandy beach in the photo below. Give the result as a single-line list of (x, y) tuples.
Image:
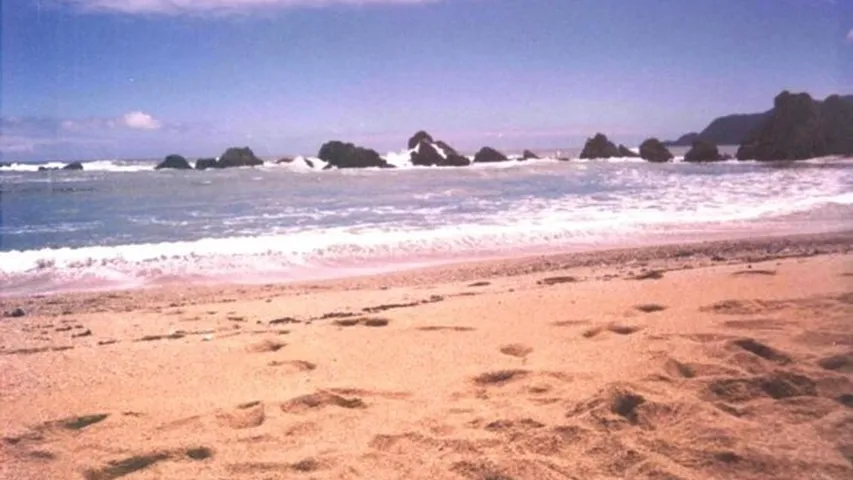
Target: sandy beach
[(724, 360)]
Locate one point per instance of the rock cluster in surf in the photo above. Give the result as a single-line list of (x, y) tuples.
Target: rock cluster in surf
[(796, 128), (427, 152)]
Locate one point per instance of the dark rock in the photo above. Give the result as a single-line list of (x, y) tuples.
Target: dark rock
[(528, 155), (653, 150), (727, 130), (419, 137), (454, 158), (447, 148), (838, 124), (599, 147), (425, 155), (73, 166), (683, 141), (794, 131), (205, 163), (174, 161), (16, 313), (429, 153), (284, 160), (489, 155), (238, 157), (741, 128), (626, 152), (346, 155), (308, 162), (702, 151), (46, 169), (799, 127)]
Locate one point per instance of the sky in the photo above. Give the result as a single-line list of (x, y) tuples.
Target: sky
[(95, 79)]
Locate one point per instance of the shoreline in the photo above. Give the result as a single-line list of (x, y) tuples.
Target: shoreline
[(668, 256)]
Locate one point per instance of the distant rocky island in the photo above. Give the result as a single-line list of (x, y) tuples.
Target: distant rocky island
[(734, 129), (796, 128)]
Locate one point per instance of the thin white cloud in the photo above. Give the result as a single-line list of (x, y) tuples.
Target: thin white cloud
[(177, 7), (141, 121), (134, 120), (849, 38)]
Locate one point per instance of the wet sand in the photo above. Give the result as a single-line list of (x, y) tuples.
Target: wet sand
[(729, 360)]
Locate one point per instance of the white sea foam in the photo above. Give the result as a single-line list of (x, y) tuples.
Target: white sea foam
[(90, 166), (357, 221), (303, 253)]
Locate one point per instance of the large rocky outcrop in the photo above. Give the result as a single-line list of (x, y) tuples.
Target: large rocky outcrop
[(599, 146), (346, 155), (427, 152), (838, 124), (794, 131), (683, 141), (653, 150), (238, 157), (799, 127), (702, 151), (174, 161), (740, 128), (727, 130), (489, 155)]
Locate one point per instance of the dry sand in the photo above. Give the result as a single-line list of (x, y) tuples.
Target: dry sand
[(731, 360)]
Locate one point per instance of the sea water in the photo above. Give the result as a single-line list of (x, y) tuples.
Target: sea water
[(121, 224)]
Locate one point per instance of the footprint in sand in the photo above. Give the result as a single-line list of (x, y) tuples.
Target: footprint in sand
[(742, 307), (557, 280), (367, 322), (650, 275), (839, 363), (756, 272), (764, 351), (776, 385), (500, 377), (440, 328), (283, 321), (570, 323), (153, 338), (293, 365), (650, 307), (757, 324), (613, 328), (319, 400), (266, 346), (246, 415), (516, 350), (120, 468), (307, 465)]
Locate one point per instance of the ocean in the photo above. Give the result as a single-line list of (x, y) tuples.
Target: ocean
[(121, 224)]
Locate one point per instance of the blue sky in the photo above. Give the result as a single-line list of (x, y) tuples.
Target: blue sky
[(144, 78)]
